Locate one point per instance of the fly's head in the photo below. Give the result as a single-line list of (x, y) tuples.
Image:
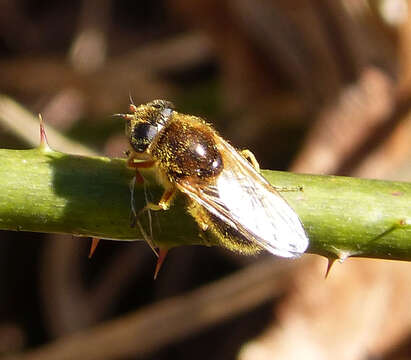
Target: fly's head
[(145, 122)]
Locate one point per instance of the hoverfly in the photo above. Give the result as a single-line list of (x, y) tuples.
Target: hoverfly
[(226, 193)]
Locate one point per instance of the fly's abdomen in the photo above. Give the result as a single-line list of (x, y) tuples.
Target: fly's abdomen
[(226, 235)]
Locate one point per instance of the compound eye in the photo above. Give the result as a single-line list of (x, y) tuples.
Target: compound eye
[(142, 136)]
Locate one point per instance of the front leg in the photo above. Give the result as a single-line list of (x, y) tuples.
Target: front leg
[(139, 165), (136, 179)]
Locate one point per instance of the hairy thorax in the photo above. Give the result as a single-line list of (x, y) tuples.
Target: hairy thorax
[(187, 149)]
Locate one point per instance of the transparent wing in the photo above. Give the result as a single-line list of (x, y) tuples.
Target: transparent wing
[(244, 200)]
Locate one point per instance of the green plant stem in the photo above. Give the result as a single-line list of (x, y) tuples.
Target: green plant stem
[(46, 191)]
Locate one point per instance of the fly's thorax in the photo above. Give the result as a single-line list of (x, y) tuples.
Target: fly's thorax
[(186, 148)]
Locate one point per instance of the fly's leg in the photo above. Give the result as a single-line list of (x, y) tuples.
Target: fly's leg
[(147, 238), (136, 179), (197, 212), (163, 204), (168, 195), (133, 213), (139, 165), (165, 201), (248, 155)]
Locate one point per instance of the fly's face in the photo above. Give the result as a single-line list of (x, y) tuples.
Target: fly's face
[(145, 122)]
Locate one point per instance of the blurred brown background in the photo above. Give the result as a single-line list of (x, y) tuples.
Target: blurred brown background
[(318, 86)]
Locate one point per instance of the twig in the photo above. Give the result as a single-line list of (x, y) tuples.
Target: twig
[(47, 191)]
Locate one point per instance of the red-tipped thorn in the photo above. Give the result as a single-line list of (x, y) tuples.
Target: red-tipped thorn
[(331, 262), (94, 243), (43, 136), (161, 257)]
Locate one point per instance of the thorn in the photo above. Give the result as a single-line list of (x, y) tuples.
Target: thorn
[(344, 255), (331, 262), (94, 243), (44, 144), (161, 257)]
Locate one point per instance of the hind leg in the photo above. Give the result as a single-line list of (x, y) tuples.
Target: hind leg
[(248, 155)]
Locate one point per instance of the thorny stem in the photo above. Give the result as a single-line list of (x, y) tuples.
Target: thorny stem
[(42, 190)]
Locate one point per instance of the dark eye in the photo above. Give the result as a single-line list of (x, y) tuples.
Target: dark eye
[(142, 136)]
